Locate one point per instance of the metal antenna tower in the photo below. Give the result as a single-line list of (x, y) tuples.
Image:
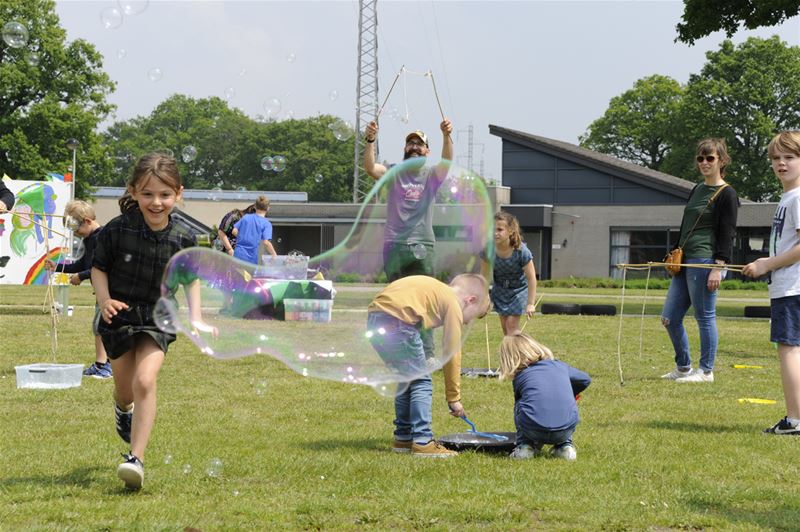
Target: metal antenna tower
[(366, 91)]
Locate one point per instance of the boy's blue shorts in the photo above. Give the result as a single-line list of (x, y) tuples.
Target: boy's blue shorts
[(785, 316)]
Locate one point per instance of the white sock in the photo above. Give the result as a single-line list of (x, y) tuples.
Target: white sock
[(793, 421)]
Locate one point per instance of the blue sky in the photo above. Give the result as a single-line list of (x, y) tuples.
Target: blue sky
[(546, 68)]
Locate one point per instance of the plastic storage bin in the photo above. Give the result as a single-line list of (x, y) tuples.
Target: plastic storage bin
[(308, 309), (48, 376), (283, 267)]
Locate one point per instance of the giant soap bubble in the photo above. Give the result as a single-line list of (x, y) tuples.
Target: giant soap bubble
[(283, 309)]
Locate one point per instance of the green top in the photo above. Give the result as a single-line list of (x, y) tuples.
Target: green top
[(700, 244)]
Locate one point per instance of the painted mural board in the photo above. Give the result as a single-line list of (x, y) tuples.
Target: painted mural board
[(30, 233)]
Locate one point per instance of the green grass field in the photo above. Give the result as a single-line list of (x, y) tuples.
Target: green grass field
[(301, 453)]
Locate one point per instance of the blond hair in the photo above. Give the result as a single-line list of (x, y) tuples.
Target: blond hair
[(474, 284), (519, 351), (80, 210), (785, 142), (262, 203)]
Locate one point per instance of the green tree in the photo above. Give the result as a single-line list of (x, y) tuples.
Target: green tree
[(703, 17), (230, 147), (638, 125), (50, 91), (746, 94)]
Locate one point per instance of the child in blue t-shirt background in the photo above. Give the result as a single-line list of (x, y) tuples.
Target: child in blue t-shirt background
[(251, 231), (545, 389)]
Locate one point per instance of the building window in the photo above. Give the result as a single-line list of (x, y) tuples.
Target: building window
[(751, 243), (458, 233), (639, 246)]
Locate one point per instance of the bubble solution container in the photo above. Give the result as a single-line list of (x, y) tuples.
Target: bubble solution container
[(308, 309), (282, 267), (47, 376)]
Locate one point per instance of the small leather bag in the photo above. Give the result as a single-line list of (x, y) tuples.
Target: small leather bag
[(674, 258), (673, 261)]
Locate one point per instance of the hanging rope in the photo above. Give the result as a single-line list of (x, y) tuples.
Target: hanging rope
[(649, 266), (404, 70)]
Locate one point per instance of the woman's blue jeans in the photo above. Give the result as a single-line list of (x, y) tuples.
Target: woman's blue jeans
[(689, 288), (400, 347)]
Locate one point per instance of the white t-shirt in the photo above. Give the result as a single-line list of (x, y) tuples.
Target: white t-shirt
[(783, 237)]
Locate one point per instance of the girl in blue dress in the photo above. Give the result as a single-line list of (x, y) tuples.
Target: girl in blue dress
[(514, 288)]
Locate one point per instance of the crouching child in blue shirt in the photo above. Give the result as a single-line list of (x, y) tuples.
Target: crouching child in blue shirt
[(545, 389)]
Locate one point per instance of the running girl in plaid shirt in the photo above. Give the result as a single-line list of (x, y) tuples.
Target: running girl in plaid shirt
[(129, 261)]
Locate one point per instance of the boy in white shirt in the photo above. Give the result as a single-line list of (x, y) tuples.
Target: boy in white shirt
[(783, 265)]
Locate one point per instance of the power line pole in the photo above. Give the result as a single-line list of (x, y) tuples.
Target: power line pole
[(471, 148), (366, 91)]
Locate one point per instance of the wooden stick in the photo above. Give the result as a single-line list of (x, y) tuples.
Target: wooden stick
[(21, 213), (436, 93), (536, 304), (380, 110), (619, 333), (644, 266), (59, 233), (488, 355), (644, 304)]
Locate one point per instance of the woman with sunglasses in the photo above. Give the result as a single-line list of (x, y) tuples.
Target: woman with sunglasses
[(707, 230)]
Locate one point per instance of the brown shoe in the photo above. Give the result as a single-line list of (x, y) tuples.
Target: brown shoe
[(402, 446), (431, 450)]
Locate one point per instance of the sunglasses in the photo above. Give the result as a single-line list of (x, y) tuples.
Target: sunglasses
[(707, 158)]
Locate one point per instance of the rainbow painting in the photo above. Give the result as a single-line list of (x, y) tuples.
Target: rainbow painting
[(37, 274)]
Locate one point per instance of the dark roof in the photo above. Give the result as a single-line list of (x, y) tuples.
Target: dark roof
[(220, 195), (192, 224), (598, 161)]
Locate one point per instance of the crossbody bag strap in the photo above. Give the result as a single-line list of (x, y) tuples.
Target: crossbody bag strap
[(710, 201)]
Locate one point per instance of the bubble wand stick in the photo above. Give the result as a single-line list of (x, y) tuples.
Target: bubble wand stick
[(22, 213), (529, 318), (488, 356), (402, 69), (43, 226), (436, 93)]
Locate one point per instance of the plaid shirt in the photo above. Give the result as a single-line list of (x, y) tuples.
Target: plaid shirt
[(134, 256), (227, 223)]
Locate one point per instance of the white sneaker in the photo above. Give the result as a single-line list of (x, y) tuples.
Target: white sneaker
[(524, 451), (698, 375), (131, 471), (676, 374), (565, 452)]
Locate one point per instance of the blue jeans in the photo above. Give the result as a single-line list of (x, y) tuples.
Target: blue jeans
[(400, 346), (400, 260), (688, 288), (536, 438)]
